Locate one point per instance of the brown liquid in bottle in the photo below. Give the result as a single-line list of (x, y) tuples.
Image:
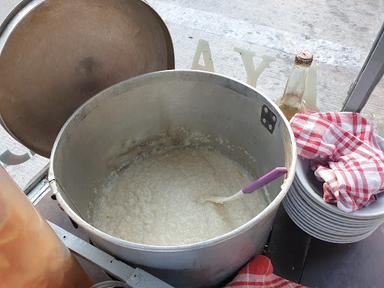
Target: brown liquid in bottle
[(289, 111), (31, 255)]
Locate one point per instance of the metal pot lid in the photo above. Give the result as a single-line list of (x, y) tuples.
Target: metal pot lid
[(56, 54)]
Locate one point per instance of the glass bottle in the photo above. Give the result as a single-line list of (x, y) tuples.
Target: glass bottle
[(292, 100), (31, 255), (310, 92)]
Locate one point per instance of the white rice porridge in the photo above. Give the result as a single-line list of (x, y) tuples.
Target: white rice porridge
[(158, 199)]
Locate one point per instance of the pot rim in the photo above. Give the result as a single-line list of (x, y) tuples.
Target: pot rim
[(218, 78)]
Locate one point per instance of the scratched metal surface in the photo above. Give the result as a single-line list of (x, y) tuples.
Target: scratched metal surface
[(295, 255), (339, 34)]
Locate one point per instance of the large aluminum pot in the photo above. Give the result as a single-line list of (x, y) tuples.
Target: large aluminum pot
[(145, 106)]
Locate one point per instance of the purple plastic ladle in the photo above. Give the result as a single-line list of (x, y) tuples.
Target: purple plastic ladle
[(257, 184)]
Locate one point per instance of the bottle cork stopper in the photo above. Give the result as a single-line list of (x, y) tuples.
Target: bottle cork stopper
[(304, 58)]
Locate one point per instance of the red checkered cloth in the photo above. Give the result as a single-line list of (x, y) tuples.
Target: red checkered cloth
[(345, 154), (258, 273)]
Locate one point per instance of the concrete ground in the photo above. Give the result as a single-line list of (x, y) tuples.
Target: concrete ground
[(338, 32)]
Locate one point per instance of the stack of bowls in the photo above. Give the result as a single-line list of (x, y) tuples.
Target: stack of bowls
[(305, 206)]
